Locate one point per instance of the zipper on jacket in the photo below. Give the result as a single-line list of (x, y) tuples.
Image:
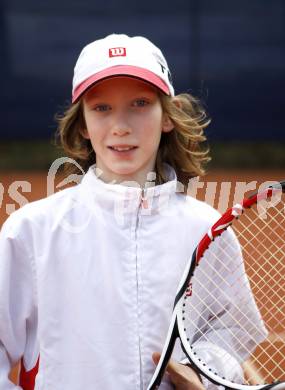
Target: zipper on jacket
[(143, 204)]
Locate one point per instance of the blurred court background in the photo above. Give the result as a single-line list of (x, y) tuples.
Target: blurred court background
[(229, 54)]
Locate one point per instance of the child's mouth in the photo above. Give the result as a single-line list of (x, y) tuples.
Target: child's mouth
[(122, 149)]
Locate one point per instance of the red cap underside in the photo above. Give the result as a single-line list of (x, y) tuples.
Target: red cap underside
[(121, 70)]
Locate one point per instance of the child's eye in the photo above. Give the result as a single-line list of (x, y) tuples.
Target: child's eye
[(140, 102), (102, 107)]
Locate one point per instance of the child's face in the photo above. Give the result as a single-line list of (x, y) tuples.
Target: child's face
[(124, 122)]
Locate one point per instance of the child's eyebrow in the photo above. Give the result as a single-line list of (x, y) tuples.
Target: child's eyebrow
[(91, 93), (91, 97)]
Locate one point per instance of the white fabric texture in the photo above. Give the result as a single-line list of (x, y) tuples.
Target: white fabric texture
[(88, 278)]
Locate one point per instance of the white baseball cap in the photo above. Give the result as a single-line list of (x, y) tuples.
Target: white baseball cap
[(120, 55)]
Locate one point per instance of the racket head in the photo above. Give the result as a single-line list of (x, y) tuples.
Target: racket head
[(242, 269)]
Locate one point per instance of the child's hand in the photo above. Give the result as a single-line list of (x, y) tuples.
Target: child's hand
[(182, 376)]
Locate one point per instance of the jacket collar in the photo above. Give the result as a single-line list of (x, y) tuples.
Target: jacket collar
[(129, 197)]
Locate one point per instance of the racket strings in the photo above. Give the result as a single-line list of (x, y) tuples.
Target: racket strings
[(219, 335), (238, 309), (222, 292), (219, 339), (247, 333), (263, 247), (257, 242), (272, 272), (263, 233), (272, 242), (259, 287), (238, 339), (241, 338), (266, 253), (257, 268), (211, 265)]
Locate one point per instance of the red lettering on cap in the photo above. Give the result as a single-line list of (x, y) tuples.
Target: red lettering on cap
[(117, 52)]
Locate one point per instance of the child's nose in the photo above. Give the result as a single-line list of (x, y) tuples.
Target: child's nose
[(120, 130), (121, 126)]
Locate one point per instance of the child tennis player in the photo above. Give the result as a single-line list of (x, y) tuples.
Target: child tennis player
[(88, 275)]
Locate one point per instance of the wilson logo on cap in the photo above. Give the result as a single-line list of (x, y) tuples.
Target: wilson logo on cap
[(117, 52)]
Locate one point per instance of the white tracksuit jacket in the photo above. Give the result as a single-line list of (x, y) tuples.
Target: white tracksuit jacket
[(87, 281)]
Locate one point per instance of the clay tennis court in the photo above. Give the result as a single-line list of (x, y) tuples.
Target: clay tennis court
[(220, 188)]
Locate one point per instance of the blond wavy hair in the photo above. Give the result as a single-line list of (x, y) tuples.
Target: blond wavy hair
[(182, 148)]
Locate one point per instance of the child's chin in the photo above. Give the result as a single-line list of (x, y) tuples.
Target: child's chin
[(126, 175), (125, 171)]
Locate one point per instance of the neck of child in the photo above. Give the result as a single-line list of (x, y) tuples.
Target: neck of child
[(142, 180)]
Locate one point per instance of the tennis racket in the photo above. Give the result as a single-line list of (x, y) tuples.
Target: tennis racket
[(235, 284)]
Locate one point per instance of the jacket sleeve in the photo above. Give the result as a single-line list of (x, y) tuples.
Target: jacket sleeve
[(18, 314)]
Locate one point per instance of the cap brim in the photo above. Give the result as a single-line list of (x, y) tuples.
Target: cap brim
[(121, 70)]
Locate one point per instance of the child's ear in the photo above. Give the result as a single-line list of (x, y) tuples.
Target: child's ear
[(84, 133), (167, 124)]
